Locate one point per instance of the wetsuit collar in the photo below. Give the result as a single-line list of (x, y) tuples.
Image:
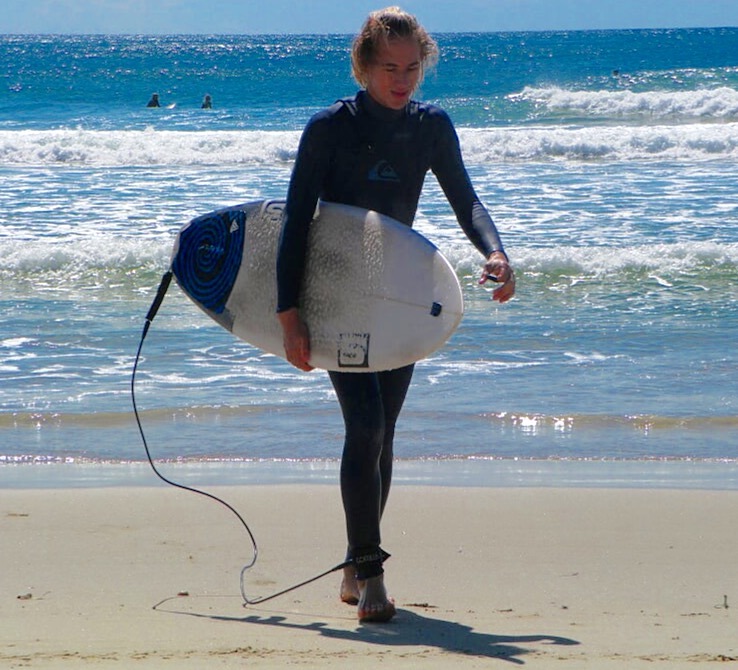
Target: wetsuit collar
[(378, 111)]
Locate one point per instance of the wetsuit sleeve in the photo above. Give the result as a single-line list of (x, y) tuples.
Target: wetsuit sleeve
[(306, 184), (448, 166)]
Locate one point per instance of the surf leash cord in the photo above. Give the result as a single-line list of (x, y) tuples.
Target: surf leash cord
[(155, 305)]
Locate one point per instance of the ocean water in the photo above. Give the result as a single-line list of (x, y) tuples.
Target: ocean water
[(607, 158)]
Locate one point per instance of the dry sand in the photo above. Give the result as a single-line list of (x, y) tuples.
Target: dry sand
[(482, 577)]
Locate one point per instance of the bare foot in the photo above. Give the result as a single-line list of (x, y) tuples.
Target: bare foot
[(374, 605), (350, 586)]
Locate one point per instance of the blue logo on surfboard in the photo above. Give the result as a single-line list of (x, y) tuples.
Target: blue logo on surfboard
[(209, 256)]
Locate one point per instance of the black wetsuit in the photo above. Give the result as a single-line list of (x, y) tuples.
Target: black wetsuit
[(359, 153)]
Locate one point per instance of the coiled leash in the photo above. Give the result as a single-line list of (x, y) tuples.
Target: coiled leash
[(160, 293)]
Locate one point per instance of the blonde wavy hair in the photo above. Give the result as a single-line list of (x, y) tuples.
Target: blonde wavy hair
[(382, 26)]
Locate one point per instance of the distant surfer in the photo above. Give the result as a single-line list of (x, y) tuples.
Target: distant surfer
[(373, 150), (207, 102), (154, 101)]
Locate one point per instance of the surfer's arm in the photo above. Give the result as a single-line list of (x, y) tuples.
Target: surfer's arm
[(304, 191), (448, 166), (473, 217), (306, 185)]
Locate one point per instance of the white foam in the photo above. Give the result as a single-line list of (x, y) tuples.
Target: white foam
[(15, 342), (103, 253), (686, 142), (683, 141), (715, 103), (146, 147), (657, 260)]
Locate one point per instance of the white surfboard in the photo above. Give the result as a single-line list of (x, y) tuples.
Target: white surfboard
[(376, 294)]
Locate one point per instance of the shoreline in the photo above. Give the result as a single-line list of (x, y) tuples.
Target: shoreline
[(477, 472), (543, 577)]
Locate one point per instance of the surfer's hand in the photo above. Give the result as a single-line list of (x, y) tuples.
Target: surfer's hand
[(296, 339), (498, 269)]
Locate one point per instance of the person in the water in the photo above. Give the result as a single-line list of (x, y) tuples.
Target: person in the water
[(373, 150)]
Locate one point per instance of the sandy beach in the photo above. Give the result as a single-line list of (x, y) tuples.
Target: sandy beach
[(546, 578)]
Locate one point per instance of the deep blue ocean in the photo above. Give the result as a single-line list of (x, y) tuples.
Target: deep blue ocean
[(607, 158)]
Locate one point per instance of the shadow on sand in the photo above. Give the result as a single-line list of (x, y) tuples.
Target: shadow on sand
[(407, 629)]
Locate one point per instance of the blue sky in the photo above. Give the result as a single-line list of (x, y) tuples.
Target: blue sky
[(344, 16)]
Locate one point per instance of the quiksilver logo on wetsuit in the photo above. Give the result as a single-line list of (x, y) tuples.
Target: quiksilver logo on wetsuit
[(383, 171)]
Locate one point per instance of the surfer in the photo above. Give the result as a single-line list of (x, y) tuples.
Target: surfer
[(207, 102), (373, 150), (154, 101)]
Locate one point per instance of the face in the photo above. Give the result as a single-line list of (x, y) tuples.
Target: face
[(395, 73)]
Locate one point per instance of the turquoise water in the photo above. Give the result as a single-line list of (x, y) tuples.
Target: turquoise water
[(608, 160)]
